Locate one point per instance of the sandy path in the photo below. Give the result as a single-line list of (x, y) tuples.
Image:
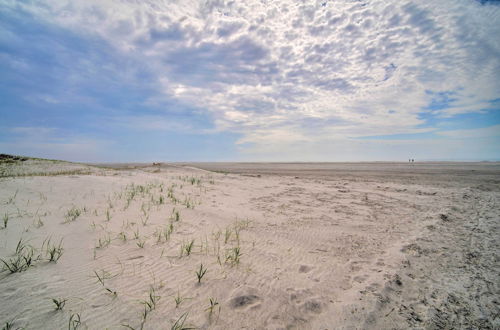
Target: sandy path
[(336, 250)]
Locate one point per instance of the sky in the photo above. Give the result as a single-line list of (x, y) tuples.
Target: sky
[(253, 80)]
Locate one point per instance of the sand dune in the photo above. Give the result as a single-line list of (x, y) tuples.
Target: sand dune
[(285, 246)]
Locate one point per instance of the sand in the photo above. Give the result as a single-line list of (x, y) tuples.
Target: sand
[(285, 246)]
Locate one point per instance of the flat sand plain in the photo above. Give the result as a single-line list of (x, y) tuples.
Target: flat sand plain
[(285, 246)]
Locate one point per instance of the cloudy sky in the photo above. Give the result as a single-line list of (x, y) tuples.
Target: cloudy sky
[(254, 80)]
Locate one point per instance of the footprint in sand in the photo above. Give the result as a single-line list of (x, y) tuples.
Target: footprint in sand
[(244, 301), (346, 283), (360, 278), (356, 266), (305, 269), (245, 297), (300, 295), (373, 287), (312, 306)]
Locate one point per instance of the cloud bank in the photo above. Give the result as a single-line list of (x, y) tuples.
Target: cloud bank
[(291, 80)]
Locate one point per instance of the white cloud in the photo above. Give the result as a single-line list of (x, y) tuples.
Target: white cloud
[(283, 72)]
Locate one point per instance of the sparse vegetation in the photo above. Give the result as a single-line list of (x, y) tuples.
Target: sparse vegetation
[(149, 303), (101, 278), (176, 216), (20, 246), (187, 248), (179, 324), (149, 204), (200, 273), (214, 304), (19, 263), (112, 292), (233, 256), (108, 215), (103, 242), (74, 321), (12, 198), (6, 174), (140, 243), (152, 299), (52, 251), (22, 260), (5, 220), (227, 235), (72, 214), (38, 223), (123, 236), (144, 220), (188, 203), (164, 233), (178, 299), (59, 302), (104, 275), (9, 325)]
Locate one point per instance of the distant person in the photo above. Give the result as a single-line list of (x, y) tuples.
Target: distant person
[(412, 160)]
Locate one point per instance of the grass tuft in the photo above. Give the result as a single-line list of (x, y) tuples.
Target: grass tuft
[(140, 243), (18, 264), (103, 242), (144, 220), (72, 214), (123, 236), (214, 304), (22, 260), (187, 248), (227, 235), (52, 251), (108, 215), (233, 256), (200, 273), (149, 303), (38, 223), (179, 324), (21, 245), (178, 299), (74, 321), (12, 198), (176, 215), (104, 275), (59, 303), (5, 220), (112, 292)]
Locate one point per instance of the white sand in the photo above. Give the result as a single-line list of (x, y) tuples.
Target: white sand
[(347, 247)]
